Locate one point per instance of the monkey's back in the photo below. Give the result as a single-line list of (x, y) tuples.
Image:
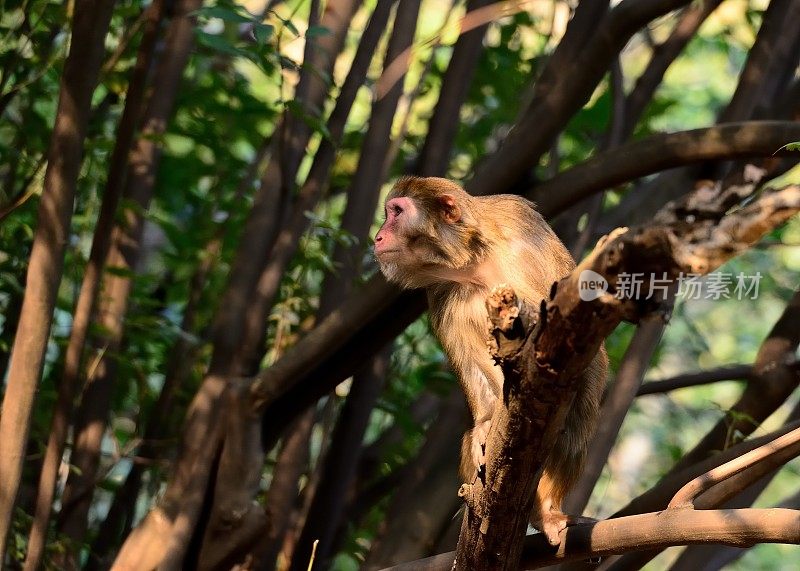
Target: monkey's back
[(533, 256)]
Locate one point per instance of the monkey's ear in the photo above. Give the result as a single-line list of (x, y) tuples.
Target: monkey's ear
[(451, 212)]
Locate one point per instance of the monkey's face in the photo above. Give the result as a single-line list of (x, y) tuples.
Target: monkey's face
[(393, 241), (415, 247)]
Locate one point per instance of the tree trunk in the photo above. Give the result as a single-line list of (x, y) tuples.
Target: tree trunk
[(443, 126), (341, 462), (67, 388), (426, 500), (160, 422), (615, 407), (89, 25), (362, 196), (290, 465), (260, 229), (93, 411), (297, 222)]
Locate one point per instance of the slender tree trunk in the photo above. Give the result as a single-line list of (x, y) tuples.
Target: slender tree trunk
[(291, 464), (443, 126), (328, 503), (93, 412), (426, 500), (774, 40), (664, 54), (615, 407), (159, 422), (362, 196), (259, 233), (297, 222), (89, 26), (101, 243), (341, 462), (325, 420)]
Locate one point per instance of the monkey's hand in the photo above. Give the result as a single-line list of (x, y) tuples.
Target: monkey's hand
[(479, 435)]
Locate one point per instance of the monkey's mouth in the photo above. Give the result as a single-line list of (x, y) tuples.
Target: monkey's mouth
[(387, 252)]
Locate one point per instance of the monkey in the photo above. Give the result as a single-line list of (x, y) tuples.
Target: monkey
[(458, 247)]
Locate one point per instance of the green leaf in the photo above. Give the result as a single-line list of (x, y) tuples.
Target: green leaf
[(795, 146), (262, 32), (223, 13), (287, 63), (12, 19), (221, 45), (292, 28)]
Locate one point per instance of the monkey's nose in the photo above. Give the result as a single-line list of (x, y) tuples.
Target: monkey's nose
[(378, 238)]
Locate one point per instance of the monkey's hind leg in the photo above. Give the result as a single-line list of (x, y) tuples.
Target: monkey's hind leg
[(546, 515)]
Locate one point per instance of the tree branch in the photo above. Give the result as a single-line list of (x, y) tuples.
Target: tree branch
[(726, 373), (663, 55), (740, 528), (780, 451), (660, 152)]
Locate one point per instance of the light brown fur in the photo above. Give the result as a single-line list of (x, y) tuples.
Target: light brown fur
[(458, 248)]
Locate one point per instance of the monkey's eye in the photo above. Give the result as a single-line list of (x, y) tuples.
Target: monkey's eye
[(397, 210)]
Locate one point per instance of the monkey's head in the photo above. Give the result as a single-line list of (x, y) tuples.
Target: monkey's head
[(430, 234)]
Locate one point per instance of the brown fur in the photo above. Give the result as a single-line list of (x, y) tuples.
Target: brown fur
[(495, 239)]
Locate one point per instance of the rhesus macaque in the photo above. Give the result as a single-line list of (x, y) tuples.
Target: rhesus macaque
[(458, 247)]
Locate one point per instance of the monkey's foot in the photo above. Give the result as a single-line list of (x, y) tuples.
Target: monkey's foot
[(479, 435), (555, 522), (552, 524)]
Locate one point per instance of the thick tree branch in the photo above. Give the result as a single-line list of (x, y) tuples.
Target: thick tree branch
[(659, 152), (741, 528)]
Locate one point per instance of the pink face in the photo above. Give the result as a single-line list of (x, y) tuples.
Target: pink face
[(400, 213)]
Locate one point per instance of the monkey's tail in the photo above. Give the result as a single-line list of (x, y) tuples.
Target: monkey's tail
[(566, 461)]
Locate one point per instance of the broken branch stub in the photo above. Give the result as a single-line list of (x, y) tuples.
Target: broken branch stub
[(510, 322)]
